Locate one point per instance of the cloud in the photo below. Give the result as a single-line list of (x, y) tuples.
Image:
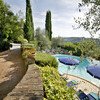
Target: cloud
[(62, 12), (16, 5), (68, 32), (39, 20), (71, 3)]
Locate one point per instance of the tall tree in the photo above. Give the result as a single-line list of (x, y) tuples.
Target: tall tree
[(48, 25), (91, 20), (29, 26), (11, 26), (1, 19)]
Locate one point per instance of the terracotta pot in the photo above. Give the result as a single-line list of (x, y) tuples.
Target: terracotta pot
[(31, 55)]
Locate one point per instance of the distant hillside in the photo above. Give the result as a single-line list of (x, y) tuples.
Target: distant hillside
[(77, 39)]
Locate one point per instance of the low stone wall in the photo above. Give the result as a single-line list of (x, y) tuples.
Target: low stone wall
[(30, 87)]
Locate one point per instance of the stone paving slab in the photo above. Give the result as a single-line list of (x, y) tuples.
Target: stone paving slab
[(29, 88)]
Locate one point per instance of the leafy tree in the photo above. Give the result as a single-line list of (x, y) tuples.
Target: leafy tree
[(48, 25), (28, 26), (72, 48), (1, 20), (56, 42), (11, 26), (96, 53), (69, 46), (87, 47), (43, 41), (91, 20)]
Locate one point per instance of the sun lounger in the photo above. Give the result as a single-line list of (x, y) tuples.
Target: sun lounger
[(82, 96), (93, 96), (72, 83)]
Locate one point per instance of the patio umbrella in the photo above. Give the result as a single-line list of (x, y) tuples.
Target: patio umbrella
[(94, 70), (69, 61)]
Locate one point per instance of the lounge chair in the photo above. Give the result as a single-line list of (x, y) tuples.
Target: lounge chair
[(72, 83), (93, 96), (82, 96)]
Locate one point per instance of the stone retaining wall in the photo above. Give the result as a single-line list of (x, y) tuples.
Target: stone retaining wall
[(30, 87)]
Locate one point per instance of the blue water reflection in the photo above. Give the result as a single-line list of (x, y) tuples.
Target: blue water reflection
[(79, 70)]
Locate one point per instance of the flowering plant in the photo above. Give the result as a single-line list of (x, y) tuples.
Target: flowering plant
[(28, 52)]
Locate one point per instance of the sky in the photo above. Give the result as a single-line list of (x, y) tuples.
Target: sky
[(62, 11)]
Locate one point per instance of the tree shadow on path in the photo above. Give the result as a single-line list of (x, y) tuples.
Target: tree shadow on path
[(12, 69)]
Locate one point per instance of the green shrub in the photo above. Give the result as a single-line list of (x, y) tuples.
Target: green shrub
[(43, 59), (28, 47), (24, 41), (42, 39), (96, 54), (57, 42), (54, 86), (21, 39), (4, 45), (77, 52), (69, 46), (35, 43)]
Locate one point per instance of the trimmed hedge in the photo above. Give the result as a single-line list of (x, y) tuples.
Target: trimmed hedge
[(54, 86), (43, 59)]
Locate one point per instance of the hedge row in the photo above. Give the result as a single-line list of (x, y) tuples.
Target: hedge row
[(54, 86), (43, 59)]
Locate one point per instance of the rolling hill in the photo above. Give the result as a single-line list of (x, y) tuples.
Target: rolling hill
[(77, 39)]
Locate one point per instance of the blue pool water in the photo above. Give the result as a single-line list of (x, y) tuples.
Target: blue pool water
[(79, 70)]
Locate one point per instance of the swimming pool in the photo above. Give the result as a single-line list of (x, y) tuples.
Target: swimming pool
[(79, 70)]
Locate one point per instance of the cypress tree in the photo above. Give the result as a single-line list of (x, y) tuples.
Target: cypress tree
[(29, 26), (48, 26)]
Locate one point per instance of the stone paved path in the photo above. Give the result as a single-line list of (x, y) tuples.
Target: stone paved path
[(29, 88), (12, 70)]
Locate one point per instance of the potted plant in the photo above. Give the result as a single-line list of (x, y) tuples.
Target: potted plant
[(29, 53)]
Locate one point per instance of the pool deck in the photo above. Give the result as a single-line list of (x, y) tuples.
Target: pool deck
[(83, 84)]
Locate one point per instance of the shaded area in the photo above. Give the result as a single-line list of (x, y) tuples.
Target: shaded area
[(12, 70), (30, 87)]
